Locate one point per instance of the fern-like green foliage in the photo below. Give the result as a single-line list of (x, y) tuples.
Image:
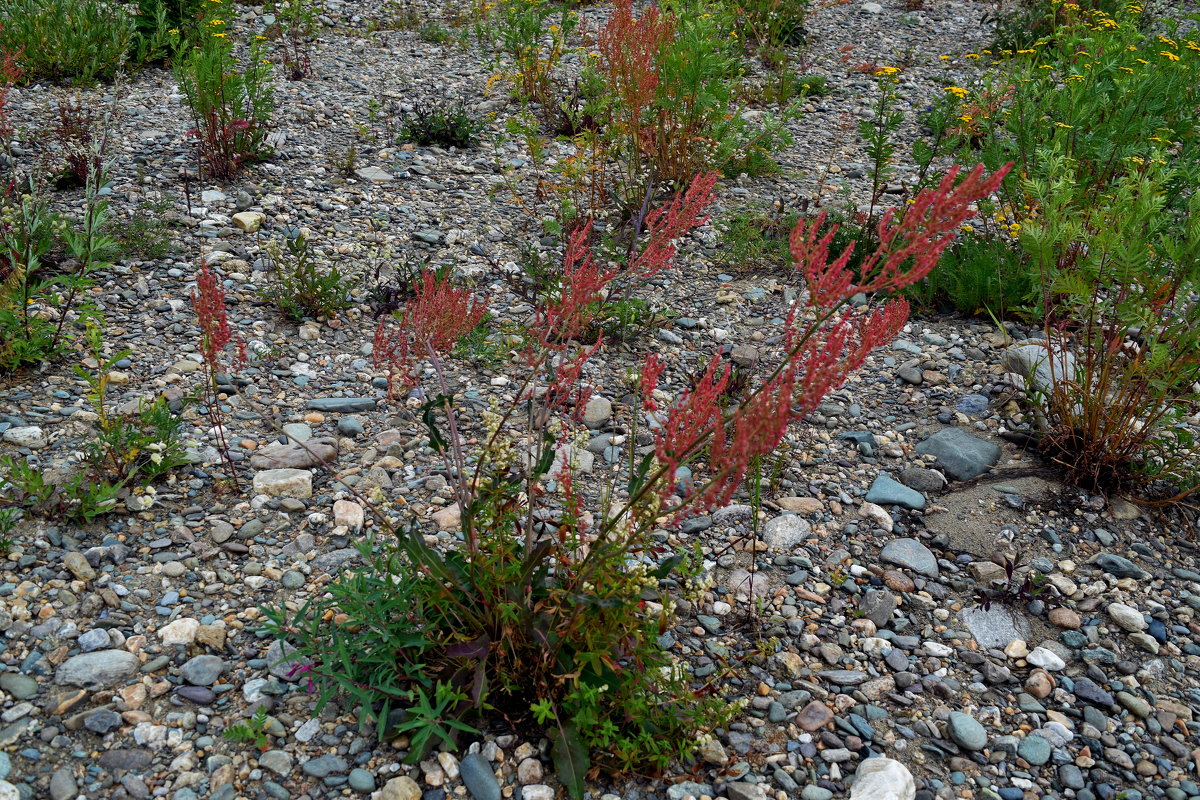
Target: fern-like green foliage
[(253, 730)]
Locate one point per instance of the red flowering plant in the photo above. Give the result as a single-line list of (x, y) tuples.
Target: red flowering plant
[(208, 300), (549, 612)]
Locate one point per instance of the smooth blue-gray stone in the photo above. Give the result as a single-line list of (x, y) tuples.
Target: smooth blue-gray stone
[(342, 404), (886, 491), (960, 454), (966, 732), (477, 776), (911, 554)]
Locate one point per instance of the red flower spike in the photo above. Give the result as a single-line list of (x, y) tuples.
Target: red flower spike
[(436, 317), (652, 369), (630, 48), (697, 415), (666, 225), (928, 227), (208, 298)]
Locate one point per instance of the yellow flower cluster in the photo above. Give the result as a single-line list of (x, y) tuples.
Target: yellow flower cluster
[(957, 91)]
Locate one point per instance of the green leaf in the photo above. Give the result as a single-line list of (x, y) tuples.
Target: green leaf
[(570, 756)]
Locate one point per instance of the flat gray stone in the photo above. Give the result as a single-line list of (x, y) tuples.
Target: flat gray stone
[(886, 491), (965, 731), (960, 454), (202, 670), (341, 404), (99, 670), (911, 554), (995, 627)]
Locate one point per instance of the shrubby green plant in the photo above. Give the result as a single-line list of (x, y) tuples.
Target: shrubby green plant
[(443, 122), (298, 286), (46, 263), (1121, 277), (547, 612), (1096, 237), (128, 452), (75, 41), (230, 103)]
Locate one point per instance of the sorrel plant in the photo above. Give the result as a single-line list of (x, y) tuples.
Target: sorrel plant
[(547, 613), (230, 104), (208, 301)]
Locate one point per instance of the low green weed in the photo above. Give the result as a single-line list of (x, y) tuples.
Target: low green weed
[(445, 123), (74, 41), (300, 288)]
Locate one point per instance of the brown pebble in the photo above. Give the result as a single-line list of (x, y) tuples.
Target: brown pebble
[(1065, 618)]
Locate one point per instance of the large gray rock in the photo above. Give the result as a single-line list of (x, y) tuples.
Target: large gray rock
[(296, 455), (98, 670), (960, 454), (1039, 365), (911, 554), (994, 627), (887, 491), (785, 532)]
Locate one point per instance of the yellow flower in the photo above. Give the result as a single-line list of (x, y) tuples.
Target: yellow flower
[(973, 55), (1169, 55), (1142, 61), (957, 91), (220, 35), (216, 22), (1026, 52), (174, 31), (1127, 69), (966, 229), (944, 58), (966, 118), (887, 71), (1064, 125), (1165, 40)]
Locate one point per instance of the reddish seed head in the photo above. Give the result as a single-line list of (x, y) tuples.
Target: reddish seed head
[(208, 298)]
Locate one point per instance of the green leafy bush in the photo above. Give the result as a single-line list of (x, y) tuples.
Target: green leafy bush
[(43, 306), (230, 103), (298, 286), (445, 123), (75, 41), (1122, 276)]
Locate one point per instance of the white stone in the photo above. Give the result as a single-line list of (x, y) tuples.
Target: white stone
[(348, 513), (883, 779), (877, 515), (871, 8), (537, 791), (785, 532), (1046, 659), (938, 649), (284, 483), (1016, 649), (30, 436), (1127, 617), (181, 631)]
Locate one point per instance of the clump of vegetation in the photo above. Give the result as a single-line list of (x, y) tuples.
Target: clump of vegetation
[(548, 612), (230, 101), (127, 454), (444, 123), (299, 287)]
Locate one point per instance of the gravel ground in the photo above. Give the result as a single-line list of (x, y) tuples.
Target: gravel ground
[(130, 645)]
